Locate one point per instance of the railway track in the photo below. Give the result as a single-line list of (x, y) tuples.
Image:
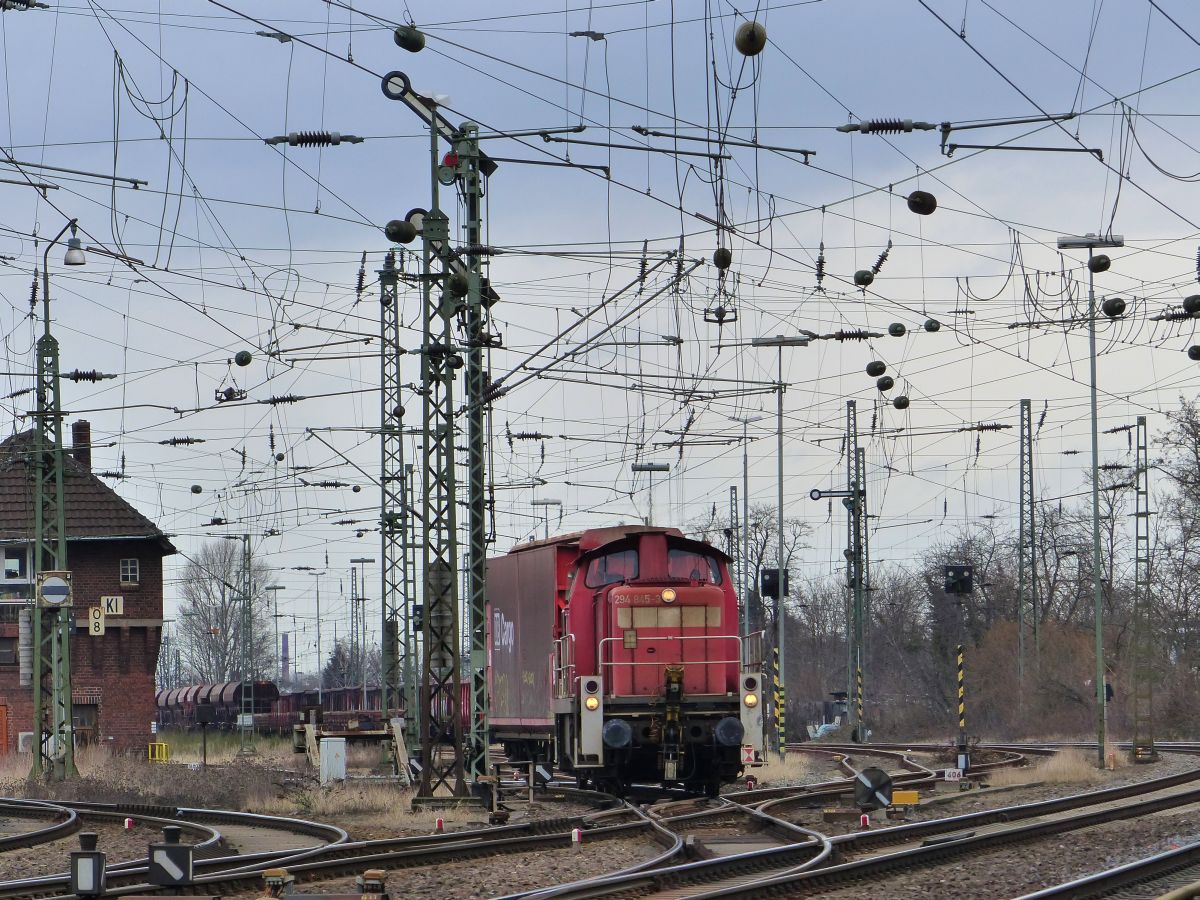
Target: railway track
[(335, 856), (209, 842), (793, 869), (740, 846), (63, 823), (1174, 874)]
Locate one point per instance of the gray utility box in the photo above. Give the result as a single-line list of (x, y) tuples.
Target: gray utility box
[(333, 760)]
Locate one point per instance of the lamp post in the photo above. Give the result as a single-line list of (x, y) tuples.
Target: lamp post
[(650, 468), (546, 504), (744, 624), (362, 620), (1091, 243), (54, 739), (779, 341)]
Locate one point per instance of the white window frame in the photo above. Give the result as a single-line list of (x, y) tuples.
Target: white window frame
[(28, 565), (126, 570)]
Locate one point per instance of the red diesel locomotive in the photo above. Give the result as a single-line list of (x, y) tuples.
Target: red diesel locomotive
[(615, 654)]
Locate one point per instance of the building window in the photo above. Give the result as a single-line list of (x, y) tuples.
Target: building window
[(129, 571), (8, 651), (16, 563)]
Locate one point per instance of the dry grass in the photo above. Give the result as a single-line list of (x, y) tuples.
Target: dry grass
[(368, 805), (91, 761), (794, 767), (1068, 766), (124, 779), (223, 746)]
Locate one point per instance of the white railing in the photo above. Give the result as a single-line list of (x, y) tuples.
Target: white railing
[(735, 660)]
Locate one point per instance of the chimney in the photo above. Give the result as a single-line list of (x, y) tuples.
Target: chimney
[(81, 443)]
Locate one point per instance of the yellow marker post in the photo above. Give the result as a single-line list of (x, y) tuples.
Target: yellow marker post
[(780, 709)]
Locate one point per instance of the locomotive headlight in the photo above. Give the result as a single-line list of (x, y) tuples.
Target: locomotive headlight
[(592, 703), (669, 595), (751, 700)]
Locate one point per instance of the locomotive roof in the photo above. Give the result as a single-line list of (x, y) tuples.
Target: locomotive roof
[(595, 538)]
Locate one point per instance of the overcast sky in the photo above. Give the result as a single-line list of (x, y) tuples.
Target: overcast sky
[(254, 247)]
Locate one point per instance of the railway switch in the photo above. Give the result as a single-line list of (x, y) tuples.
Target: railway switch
[(87, 867)]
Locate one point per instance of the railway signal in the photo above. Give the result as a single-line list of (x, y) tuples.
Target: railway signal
[(770, 583), (959, 580), (170, 861), (87, 867)]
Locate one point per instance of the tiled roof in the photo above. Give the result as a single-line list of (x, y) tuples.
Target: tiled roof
[(93, 509)]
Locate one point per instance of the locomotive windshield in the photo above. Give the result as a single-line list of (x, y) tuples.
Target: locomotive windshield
[(689, 565), (612, 568)]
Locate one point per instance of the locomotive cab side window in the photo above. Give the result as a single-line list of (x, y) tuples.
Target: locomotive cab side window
[(612, 568), (688, 565)]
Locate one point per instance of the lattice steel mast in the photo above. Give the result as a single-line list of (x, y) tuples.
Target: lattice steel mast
[(1143, 622), (53, 731), (440, 676), (1027, 585), (466, 149), (396, 640), (855, 502), (246, 718), (859, 517)]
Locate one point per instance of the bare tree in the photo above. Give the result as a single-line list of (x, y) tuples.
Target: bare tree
[(210, 627), (762, 528)]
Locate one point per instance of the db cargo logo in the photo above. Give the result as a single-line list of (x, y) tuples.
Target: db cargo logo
[(503, 632)]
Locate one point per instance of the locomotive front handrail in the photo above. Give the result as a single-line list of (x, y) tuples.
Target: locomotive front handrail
[(736, 661), (564, 666)]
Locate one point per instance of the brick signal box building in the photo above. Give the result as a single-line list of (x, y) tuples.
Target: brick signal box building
[(112, 551)]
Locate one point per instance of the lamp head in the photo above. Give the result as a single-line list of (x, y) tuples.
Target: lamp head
[(74, 255)]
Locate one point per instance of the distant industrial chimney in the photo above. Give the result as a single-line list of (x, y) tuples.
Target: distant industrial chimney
[(81, 443)]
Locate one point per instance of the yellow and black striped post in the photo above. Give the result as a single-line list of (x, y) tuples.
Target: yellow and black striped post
[(780, 710), (858, 702), (962, 701)]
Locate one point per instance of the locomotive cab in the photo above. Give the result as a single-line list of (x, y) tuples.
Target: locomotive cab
[(652, 680)]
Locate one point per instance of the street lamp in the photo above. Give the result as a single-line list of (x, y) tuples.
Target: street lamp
[(745, 536), (779, 341), (546, 504), (650, 468), (52, 716), (1091, 242)]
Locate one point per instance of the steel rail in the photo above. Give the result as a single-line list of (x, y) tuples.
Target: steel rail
[(1137, 872), (130, 871), (930, 854), (790, 880), (38, 809), (251, 879)]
